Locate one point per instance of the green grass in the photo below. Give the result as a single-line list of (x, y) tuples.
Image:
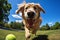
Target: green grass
[(46, 35)]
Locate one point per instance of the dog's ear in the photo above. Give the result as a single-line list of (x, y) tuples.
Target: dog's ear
[(40, 8), (20, 8)]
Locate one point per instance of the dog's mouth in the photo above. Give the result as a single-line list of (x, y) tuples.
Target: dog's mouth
[(30, 22)]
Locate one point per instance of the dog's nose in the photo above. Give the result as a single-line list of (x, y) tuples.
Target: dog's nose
[(30, 14)]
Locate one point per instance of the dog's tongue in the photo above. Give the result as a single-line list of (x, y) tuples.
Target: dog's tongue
[(30, 22)]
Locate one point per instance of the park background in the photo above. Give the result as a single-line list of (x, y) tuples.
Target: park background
[(10, 22)]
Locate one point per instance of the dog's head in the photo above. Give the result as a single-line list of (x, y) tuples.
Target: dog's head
[(30, 10)]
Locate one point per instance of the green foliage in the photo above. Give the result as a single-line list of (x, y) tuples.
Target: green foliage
[(45, 27), (7, 25), (1, 24), (4, 10), (56, 26), (14, 25), (53, 27)]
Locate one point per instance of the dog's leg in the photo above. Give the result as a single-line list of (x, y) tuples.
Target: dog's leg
[(34, 32), (27, 33)]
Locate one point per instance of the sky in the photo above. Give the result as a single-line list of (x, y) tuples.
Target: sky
[(51, 7)]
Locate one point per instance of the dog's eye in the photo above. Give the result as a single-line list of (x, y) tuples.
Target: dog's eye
[(35, 8), (26, 8)]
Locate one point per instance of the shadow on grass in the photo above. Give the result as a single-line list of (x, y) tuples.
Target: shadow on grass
[(41, 37)]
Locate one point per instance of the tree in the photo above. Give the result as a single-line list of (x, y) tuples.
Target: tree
[(16, 25), (55, 26), (4, 10), (11, 24), (6, 25), (45, 27)]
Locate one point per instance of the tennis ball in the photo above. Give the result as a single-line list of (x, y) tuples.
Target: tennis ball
[(10, 37)]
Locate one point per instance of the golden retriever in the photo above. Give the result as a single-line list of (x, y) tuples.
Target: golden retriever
[(31, 17)]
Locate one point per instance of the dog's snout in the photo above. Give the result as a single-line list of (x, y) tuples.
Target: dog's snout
[(30, 14)]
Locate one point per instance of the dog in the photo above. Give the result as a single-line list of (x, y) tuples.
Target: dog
[(31, 17)]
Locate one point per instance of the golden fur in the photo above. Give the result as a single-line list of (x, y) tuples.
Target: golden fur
[(36, 21)]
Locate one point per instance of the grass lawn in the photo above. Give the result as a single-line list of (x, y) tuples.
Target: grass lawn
[(41, 35)]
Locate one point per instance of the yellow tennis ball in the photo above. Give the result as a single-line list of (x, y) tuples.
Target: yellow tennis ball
[(10, 37)]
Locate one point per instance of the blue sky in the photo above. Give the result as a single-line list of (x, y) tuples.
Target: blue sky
[(51, 7)]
